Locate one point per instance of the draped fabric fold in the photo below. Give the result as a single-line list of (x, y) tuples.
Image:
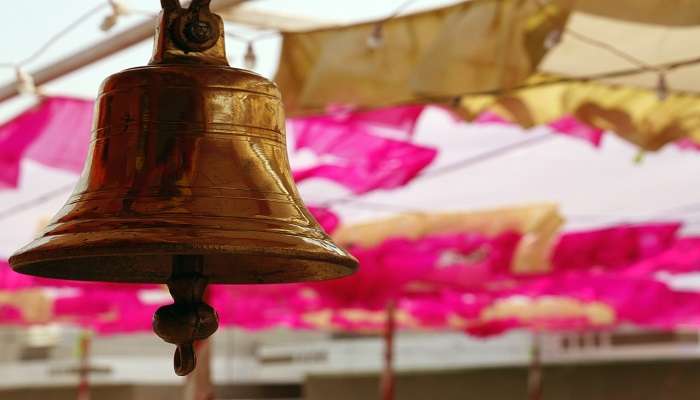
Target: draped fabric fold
[(473, 46), (613, 247), (518, 59), (356, 158), (55, 132), (363, 151), (637, 115), (466, 281)]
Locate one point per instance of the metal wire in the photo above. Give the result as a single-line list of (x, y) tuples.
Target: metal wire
[(55, 38)]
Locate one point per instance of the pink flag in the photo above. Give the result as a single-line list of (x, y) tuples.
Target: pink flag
[(613, 247), (55, 132), (358, 159)]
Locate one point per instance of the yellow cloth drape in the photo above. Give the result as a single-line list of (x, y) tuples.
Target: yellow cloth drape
[(637, 115), (532, 310), (469, 47), (483, 51)]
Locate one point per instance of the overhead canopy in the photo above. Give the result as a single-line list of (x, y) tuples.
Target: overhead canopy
[(532, 62), (651, 44)]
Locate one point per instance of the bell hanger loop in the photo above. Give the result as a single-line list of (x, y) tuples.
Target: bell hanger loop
[(192, 35)]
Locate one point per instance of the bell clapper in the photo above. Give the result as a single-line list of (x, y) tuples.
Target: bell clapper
[(189, 318)]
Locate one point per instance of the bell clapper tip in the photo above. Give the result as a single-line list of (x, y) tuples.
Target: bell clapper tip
[(189, 319)]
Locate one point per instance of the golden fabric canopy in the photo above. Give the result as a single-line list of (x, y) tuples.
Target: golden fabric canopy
[(635, 114), (628, 69), (468, 47)]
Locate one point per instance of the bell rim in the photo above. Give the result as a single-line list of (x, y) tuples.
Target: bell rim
[(43, 262)]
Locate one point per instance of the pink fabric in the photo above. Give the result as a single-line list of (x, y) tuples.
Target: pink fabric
[(613, 247), (431, 280), (410, 272), (681, 257), (107, 311), (10, 280), (400, 119), (328, 220), (493, 328), (399, 265), (55, 133), (358, 159), (106, 308), (489, 117), (687, 144), (642, 301), (567, 126), (258, 307), (438, 277), (570, 126), (10, 315)]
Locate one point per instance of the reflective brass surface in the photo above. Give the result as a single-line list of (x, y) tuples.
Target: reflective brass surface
[(187, 157)]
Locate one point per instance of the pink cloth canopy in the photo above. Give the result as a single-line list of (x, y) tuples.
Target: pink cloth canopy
[(435, 279), (355, 157), (386, 272), (431, 278), (683, 256), (613, 247), (55, 132), (106, 308)]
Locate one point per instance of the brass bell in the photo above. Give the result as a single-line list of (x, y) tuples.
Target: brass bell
[(187, 182)]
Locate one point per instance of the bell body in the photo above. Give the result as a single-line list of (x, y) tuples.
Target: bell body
[(186, 159)]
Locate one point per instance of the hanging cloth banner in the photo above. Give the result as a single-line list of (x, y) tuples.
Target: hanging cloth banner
[(351, 155), (613, 247), (55, 133), (637, 115), (473, 46)]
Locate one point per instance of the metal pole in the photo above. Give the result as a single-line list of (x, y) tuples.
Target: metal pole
[(534, 379), (99, 51), (84, 347), (388, 381)]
